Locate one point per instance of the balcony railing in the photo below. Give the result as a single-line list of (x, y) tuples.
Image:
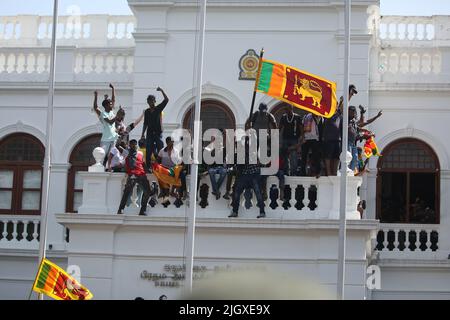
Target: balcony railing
[(407, 238), (19, 232), (82, 30), (405, 28), (305, 198), (77, 65)]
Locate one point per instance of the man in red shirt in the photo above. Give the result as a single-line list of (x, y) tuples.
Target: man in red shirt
[(134, 166)]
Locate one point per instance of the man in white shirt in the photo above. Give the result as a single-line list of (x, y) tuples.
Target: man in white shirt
[(169, 157), (116, 161), (107, 119)]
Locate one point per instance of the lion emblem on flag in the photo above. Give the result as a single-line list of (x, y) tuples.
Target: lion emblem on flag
[(308, 89)]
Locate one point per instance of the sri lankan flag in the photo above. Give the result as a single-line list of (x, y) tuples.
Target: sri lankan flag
[(371, 148), (299, 88), (167, 176), (54, 282)]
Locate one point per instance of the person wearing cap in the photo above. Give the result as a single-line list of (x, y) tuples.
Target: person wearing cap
[(261, 120), (134, 166), (247, 176)]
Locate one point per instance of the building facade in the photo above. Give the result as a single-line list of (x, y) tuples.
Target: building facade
[(400, 65)]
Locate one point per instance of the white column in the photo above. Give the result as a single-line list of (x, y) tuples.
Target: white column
[(57, 204)]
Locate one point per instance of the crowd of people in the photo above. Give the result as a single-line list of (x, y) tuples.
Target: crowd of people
[(309, 146)]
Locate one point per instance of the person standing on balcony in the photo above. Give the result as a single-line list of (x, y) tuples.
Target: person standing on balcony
[(153, 126), (311, 138), (248, 176), (291, 132), (332, 135), (107, 119), (123, 130), (134, 166)]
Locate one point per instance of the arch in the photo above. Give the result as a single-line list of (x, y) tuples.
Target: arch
[(76, 138), (21, 168), (219, 109), (435, 144), (408, 183), (21, 127), (212, 92), (80, 159)]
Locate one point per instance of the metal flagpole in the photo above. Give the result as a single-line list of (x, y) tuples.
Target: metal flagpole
[(344, 165), (196, 146), (48, 151)]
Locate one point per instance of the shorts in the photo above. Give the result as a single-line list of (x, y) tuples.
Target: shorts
[(331, 149)]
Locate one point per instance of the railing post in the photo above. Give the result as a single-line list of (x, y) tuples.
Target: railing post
[(29, 28)]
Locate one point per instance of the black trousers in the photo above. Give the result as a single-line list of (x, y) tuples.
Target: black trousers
[(131, 182), (314, 146), (243, 182)]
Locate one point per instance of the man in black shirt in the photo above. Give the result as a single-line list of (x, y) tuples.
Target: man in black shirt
[(291, 132), (152, 124)]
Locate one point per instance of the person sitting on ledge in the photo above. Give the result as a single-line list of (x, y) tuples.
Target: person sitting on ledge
[(134, 166)]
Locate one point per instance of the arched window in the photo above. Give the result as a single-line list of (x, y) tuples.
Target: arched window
[(282, 108), (80, 159), (408, 183), (214, 115), (21, 163)]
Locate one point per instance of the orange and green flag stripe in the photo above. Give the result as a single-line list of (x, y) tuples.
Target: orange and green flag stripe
[(272, 78)]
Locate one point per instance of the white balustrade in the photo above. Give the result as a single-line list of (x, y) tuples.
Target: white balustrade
[(407, 65), (407, 28), (19, 232), (88, 30), (309, 198), (32, 64), (408, 238), (24, 61)]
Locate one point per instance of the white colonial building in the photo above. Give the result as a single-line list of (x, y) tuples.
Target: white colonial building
[(400, 65)]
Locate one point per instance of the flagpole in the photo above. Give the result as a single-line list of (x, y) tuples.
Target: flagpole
[(344, 165), (48, 151), (256, 84), (196, 146)]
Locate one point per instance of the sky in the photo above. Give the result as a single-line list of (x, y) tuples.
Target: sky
[(118, 7)]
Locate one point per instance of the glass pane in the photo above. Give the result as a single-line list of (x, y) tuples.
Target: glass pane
[(77, 200), (32, 179), (422, 207), (78, 181), (30, 200), (6, 178), (21, 148), (82, 154), (393, 197), (409, 155), (5, 199)]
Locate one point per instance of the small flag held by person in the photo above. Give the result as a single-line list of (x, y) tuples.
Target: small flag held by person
[(54, 282), (299, 88), (167, 176), (371, 148)]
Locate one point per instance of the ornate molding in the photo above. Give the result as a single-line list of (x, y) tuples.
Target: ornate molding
[(22, 127), (75, 138), (410, 132), (212, 91)]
